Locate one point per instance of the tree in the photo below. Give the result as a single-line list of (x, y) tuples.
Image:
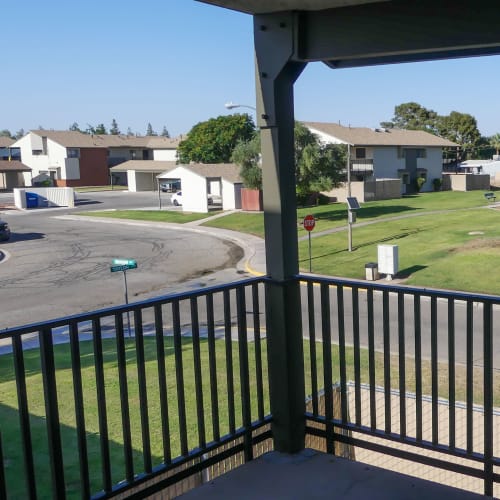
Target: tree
[(246, 154), (74, 127), (214, 140), (20, 133), (100, 129), (5, 133), (318, 167), (150, 131), (462, 129), (413, 116), (495, 142), (114, 130), (129, 131), (164, 132)]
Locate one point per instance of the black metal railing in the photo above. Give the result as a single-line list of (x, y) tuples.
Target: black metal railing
[(93, 405), (410, 374)]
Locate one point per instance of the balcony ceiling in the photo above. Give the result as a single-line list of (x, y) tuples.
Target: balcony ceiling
[(269, 6), (350, 33)]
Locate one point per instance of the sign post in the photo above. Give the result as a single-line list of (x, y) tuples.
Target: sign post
[(124, 265), (309, 222)]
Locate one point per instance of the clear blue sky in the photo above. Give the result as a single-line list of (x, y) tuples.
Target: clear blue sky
[(176, 62)]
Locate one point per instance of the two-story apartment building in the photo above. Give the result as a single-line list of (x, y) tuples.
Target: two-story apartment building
[(72, 158), (388, 153)]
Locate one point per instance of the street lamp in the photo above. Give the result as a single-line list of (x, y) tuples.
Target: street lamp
[(232, 105)]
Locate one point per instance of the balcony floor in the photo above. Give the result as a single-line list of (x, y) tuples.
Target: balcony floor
[(316, 475)]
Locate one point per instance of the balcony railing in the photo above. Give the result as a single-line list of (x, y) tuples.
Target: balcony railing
[(168, 393)]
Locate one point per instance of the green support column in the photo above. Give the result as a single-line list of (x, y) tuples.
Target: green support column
[(276, 74)]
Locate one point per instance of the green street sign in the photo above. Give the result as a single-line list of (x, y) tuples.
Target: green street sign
[(123, 265), (125, 262)]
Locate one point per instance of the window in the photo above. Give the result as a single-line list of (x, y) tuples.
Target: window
[(360, 153), (36, 152), (421, 153), (133, 154), (73, 153), (405, 178)]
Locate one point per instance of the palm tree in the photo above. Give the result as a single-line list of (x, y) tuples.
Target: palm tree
[(495, 142)]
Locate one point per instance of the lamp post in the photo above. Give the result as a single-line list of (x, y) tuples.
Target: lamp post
[(232, 105)]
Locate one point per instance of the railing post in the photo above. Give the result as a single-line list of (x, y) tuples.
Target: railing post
[(286, 366), (276, 74)]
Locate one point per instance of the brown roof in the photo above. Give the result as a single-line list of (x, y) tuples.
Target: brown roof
[(75, 139), (153, 166), (227, 171), (5, 142), (363, 136), (13, 166)]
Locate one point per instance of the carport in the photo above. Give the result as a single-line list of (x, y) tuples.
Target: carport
[(142, 174), (11, 174)]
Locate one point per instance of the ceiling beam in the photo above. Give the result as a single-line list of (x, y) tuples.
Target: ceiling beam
[(393, 32)]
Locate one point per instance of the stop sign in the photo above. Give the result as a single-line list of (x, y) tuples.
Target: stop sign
[(309, 222)]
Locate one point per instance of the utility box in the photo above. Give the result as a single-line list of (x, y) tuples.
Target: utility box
[(371, 271), (388, 260)]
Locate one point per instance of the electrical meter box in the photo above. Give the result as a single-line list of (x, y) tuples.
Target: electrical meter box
[(388, 260)]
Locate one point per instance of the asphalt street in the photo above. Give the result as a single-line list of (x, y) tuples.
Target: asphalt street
[(57, 264)]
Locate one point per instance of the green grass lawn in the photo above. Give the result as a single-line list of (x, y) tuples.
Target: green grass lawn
[(9, 418), (453, 250), (335, 214)]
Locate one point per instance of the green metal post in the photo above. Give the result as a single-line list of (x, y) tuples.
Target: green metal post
[(276, 74)]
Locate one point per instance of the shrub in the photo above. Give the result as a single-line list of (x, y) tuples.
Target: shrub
[(419, 182), (437, 183)]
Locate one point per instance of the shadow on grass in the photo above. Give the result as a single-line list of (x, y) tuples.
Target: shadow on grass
[(15, 470), (381, 211), (366, 244), (406, 273)]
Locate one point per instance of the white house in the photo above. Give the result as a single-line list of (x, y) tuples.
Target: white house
[(199, 180), (388, 153)]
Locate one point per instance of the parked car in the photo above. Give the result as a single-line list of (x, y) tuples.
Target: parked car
[(170, 187), (176, 198), (4, 231)]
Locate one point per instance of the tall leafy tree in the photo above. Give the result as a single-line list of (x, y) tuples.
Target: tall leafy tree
[(318, 167), (246, 154), (5, 133), (164, 132), (20, 133), (114, 130), (462, 129), (413, 116), (214, 140)]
